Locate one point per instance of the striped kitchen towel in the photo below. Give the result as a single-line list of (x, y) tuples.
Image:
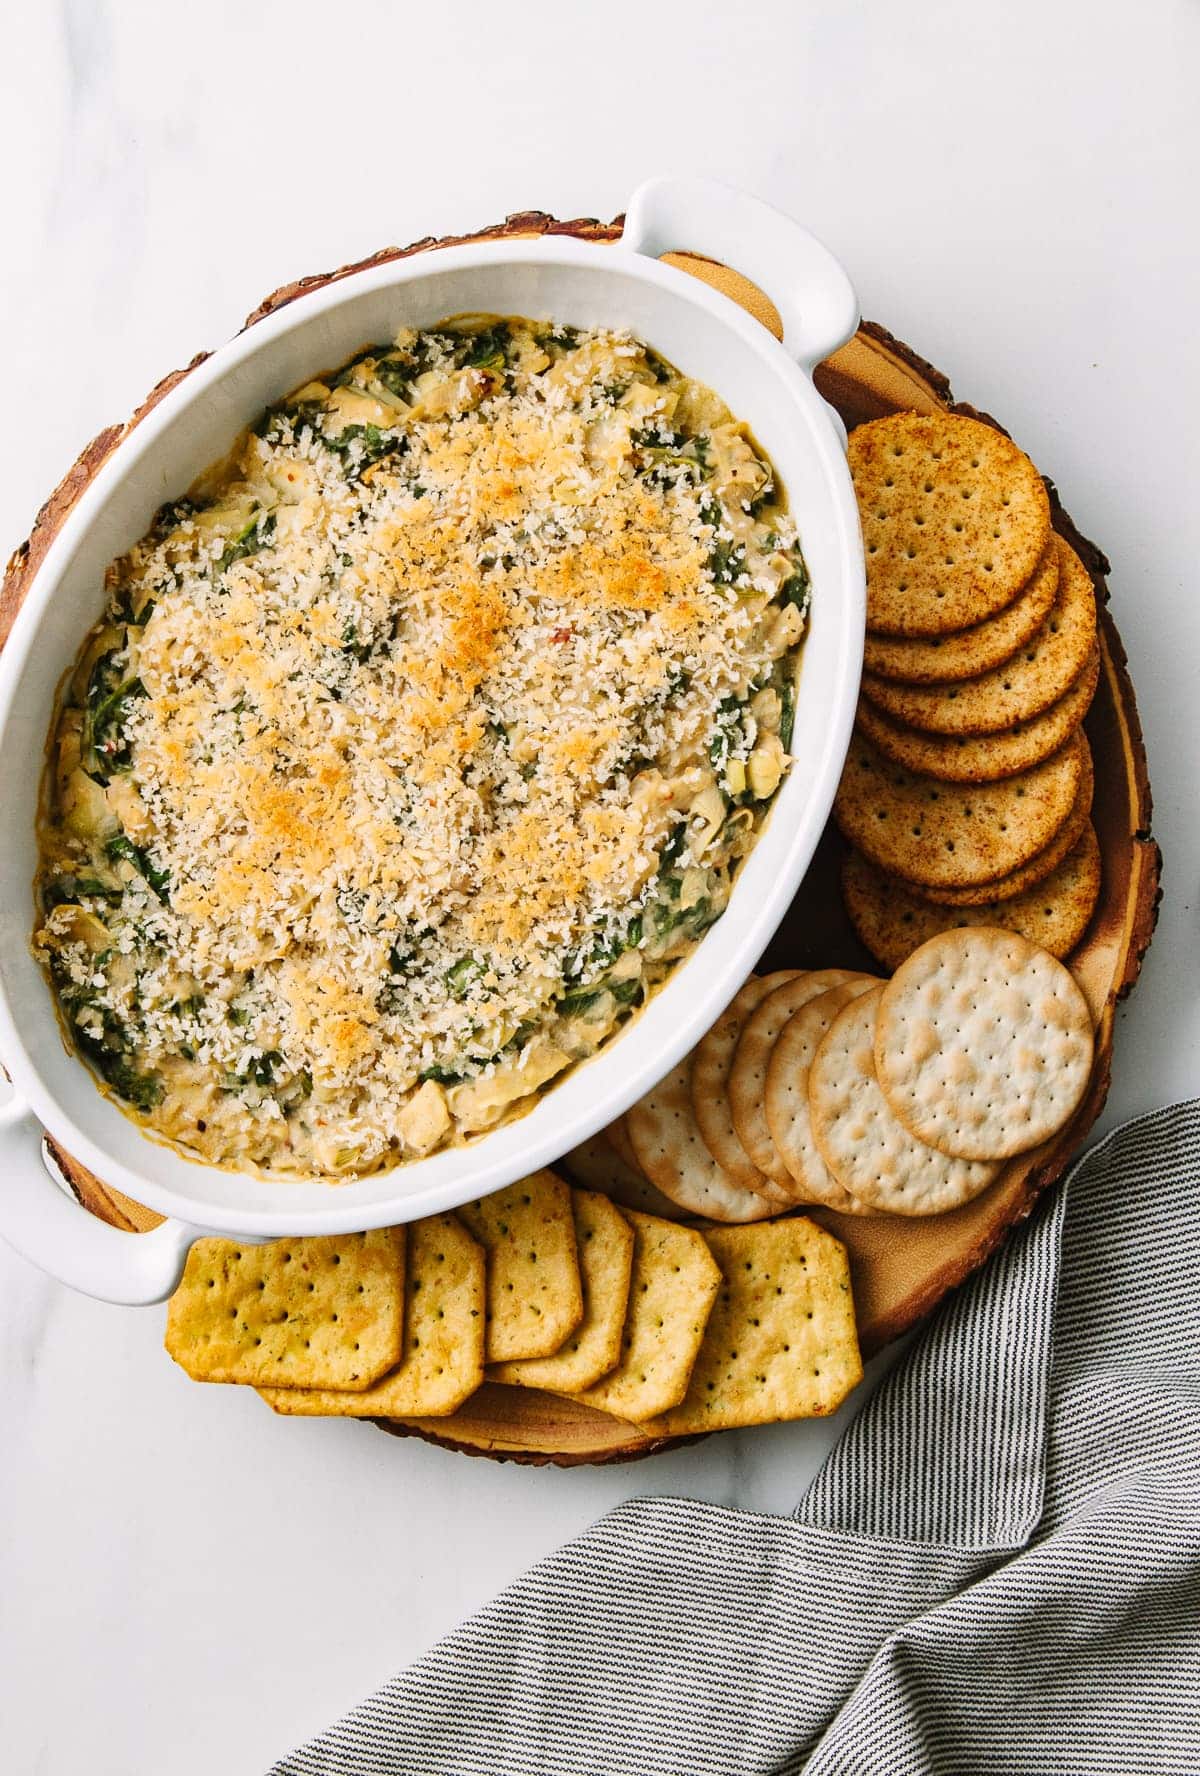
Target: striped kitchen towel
[(998, 1569)]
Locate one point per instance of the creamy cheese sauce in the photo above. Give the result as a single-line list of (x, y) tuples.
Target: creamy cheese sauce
[(417, 746)]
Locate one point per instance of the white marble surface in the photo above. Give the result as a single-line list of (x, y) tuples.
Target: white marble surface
[(186, 1583)]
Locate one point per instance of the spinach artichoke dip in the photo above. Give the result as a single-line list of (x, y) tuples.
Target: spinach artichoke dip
[(417, 746)]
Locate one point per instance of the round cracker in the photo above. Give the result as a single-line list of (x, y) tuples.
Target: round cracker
[(669, 1150), (1040, 866), (984, 758), (748, 1074), (892, 921), (712, 1059), (955, 519), (596, 1165), (617, 1136), (983, 1043), (967, 652), (1035, 677), (785, 1098), (944, 835), (863, 1142)]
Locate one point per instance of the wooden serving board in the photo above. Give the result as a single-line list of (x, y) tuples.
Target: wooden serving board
[(901, 1268)]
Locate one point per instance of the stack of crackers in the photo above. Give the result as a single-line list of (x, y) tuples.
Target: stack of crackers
[(967, 791), (796, 1098), (677, 1329), (721, 1136), (911, 1095)]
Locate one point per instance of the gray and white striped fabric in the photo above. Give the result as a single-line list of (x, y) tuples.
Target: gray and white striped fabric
[(998, 1569)]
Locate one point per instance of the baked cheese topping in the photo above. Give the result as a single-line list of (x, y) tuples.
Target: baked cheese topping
[(417, 746)]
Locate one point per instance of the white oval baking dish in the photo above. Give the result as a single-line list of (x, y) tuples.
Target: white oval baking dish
[(767, 384)]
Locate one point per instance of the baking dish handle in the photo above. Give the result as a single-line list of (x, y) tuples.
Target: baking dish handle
[(41, 1222), (808, 286)]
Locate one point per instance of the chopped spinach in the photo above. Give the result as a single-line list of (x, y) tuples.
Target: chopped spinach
[(357, 650), (727, 731), (562, 339), (440, 1075), (346, 376), (255, 536), (797, 588), (726, 559), (607, 946), (293, 1092), (400, 959), (296, 414), (120, 846), (672, 850), (395, 375), (360, 446), (489, 350), (69, 890), (172, 515), (787, 718), (462, 976), (261, 1071), (665, 457), (104, 748), (109, 1053), (577, 1002)]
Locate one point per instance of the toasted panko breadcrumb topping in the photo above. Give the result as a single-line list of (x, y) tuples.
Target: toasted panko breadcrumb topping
[(415, 748)]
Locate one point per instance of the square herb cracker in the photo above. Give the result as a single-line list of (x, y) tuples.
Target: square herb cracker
[(296, 1313), (674, 1284), (781, 1341), (444, 1319), (605, 1242), (534, 1293)]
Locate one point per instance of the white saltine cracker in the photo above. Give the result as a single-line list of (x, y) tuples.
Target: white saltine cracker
[(865, 1145), (671, 1153), (786, 1097), (983, 1043), (712, 1060), (748, 1071)]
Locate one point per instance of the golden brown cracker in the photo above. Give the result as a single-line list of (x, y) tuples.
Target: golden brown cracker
[(964, 653), (534, 1295), (1039, 866), (323, 1312), (670, 1151), (712, 1061), (943, 835), (444, 1322), (596, 1165), (674, 1284), (748, 1072), (984, 758), (617, 1136), (785, 1097), (870, 1152), (604, 1240), (892, 921), (781, 1341), (1018, 690), (955, 519)]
